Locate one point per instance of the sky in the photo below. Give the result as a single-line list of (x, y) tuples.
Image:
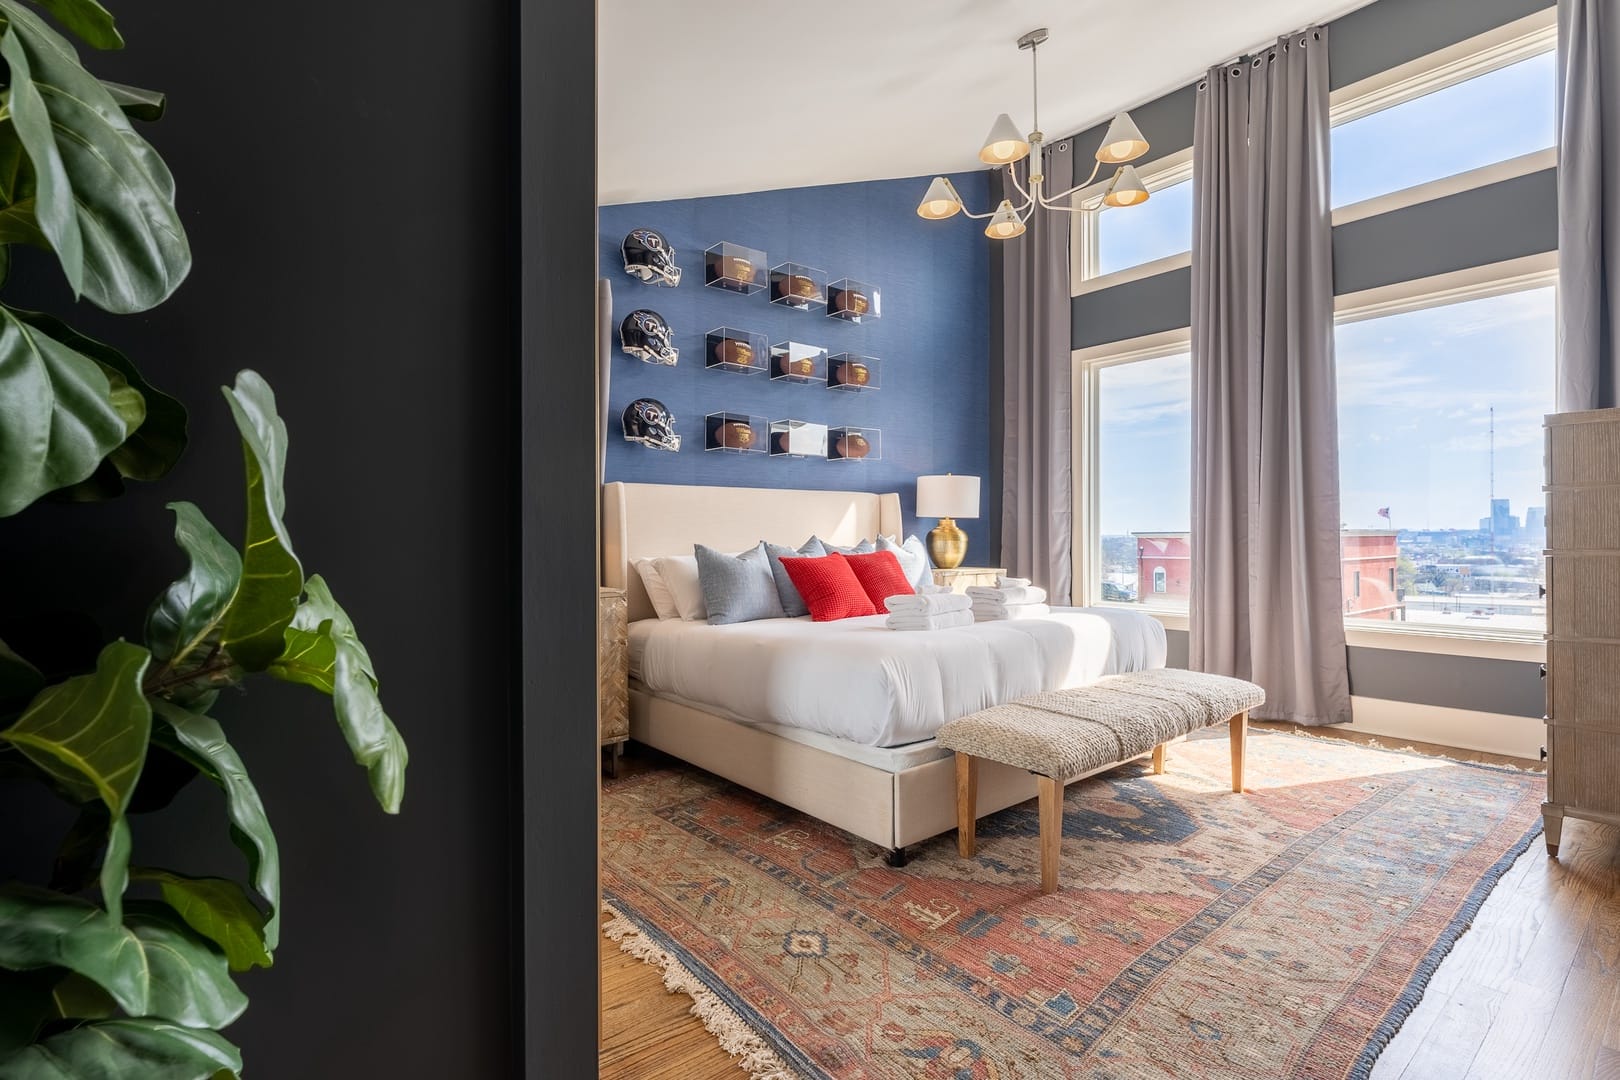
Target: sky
[(1415, 389)]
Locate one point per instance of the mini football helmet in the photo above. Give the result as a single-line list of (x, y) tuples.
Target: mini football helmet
[(649, 258), (645, 335), (647, 422)]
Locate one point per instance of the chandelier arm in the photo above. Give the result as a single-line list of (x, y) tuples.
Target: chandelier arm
[(1087, 182), (1012, 178), (977, 217)]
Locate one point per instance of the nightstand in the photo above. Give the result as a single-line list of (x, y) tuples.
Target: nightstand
[(612, 674), (965, 577)]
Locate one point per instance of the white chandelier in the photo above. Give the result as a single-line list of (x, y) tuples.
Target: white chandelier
[(1004, 146)]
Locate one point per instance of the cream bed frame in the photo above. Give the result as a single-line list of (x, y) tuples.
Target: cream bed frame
[(891, 809)]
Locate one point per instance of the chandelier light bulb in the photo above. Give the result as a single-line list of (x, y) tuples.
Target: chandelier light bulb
[(1127, 190), (1123, 142), (1005, 144), (940, 202), (1005, 224)]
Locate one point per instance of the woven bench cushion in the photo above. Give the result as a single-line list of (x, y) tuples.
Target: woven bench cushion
[(1064, 733)]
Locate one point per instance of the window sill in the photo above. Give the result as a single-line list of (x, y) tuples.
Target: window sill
[(1499, 646)]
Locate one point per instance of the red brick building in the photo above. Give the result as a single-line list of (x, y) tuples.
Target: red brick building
[(1368, 560)]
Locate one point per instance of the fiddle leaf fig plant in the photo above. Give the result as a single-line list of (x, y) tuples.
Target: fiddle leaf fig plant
[(114, 967)]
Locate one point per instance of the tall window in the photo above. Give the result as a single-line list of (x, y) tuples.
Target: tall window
[(1133, 235), (1440, 459), (1140, 475), (1492, 117)]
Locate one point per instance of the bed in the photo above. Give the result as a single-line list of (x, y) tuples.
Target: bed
[(834, 719)]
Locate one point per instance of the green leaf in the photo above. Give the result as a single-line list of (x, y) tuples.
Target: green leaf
[(189, 610), (77, 856), (217, 909), (137, 104), (201, 740), (55, 211), (87, 20), (17, 225), (125, 1048), (79, 998), (90, 732), (114, 875), (105, 197), (57, 417), (272, 579), (342, 663), (153, 444), (151, 965)]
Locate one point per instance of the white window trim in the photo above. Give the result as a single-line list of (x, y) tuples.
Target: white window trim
[(1519, 40), (1472, 283)]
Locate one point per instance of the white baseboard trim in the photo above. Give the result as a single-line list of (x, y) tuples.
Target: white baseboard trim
[(1492, 733)]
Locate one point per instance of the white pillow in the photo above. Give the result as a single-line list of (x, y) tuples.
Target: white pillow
[(663, 601), (680, 576), (913, 559)]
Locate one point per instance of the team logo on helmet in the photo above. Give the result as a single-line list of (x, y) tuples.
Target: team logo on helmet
[(649, 258), (647, 422), (645, 335)]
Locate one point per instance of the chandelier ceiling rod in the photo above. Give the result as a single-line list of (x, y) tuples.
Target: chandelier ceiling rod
[(1005, 147)]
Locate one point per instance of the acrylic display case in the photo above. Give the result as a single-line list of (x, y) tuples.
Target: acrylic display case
[(854, 444), (734, 268), (735, 433), (796, 362), (853, 301), (853, 373), (797, 286), (798, 438), (741, 351)]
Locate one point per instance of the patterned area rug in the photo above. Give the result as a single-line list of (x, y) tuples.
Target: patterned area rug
[(1286, 932)]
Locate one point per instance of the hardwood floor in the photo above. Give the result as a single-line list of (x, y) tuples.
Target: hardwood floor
[(1531, 992)]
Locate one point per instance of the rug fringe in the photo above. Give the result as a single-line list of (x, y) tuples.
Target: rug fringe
[(752, 1053)]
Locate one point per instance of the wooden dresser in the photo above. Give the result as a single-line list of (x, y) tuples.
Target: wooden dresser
[(1583, 619), (962, 578), (613, 674)]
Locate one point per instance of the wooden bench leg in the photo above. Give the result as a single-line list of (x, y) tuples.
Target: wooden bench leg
[(1238, 727), (967, 802), (1158, 760), (1051, 831)]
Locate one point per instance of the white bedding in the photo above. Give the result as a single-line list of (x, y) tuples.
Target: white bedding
[(854, 679)]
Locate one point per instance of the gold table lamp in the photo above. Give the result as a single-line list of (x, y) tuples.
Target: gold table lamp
[(947, 497)]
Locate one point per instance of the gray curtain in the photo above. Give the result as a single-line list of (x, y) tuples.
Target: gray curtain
[(1029, 344), (1588, 203), (1266, 594)]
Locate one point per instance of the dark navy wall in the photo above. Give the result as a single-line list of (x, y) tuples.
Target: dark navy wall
[(933, 338)]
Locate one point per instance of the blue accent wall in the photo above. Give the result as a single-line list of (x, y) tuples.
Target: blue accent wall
[(933, 338)]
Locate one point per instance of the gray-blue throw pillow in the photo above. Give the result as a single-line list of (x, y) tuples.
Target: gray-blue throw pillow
[(737, 588), (913, 559), (792, 603), (865, 547)]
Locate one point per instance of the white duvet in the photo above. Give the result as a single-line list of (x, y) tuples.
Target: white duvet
[(854, 679)]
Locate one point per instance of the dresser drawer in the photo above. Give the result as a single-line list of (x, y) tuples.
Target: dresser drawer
[(1583, 518), (1583, 596), (1583, 768), (1583, 685), (1584, 451)]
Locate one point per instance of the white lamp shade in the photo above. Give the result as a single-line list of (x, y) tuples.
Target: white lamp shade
[(941, 202), (1005, 144), (948, 496), (1128, 189), (1123, 142), (1006, 224)]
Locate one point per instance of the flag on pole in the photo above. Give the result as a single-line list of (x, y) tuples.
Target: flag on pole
[(1383, 512)]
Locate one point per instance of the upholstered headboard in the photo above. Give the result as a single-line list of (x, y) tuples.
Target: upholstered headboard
[(644, 520)]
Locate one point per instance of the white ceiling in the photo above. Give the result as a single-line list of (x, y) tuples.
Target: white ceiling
[(704, 97)]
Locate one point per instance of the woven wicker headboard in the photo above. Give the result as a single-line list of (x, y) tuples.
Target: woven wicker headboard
[(644, 520)]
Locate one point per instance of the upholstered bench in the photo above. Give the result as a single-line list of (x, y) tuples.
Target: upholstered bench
[(1064, 735)]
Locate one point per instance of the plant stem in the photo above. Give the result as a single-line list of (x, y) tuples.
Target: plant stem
[(167, 679)]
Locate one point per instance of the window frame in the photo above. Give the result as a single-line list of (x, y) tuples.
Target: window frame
[(1472, 283), (1521, 39)]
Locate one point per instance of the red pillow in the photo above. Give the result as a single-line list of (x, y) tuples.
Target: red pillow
[(881, 576), (829, 587)]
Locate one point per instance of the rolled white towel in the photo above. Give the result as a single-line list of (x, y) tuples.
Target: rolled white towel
[(1010, 612), (934, 590), (1023, 594), (1004, 582), (930, 604), (945, 620)]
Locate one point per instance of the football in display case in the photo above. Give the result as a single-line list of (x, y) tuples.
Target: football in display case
[(742, 351), (854, 444), (734, 268), (798, 438), (735, 432), (853, 301), (853, 373), (796, 362), (800, 287)]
